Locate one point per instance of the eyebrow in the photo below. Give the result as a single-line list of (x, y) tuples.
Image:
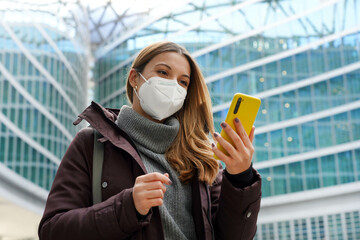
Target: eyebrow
[(163, 64)]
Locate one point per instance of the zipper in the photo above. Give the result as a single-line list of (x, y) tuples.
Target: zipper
[(209, 209)]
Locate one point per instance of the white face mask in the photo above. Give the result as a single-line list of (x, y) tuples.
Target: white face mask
[(160, 97)]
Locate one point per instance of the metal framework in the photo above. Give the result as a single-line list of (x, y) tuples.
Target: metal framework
[(102, 21), (97, 21)]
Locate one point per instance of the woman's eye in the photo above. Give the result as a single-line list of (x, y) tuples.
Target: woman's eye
[(184, 83), (162, 72)]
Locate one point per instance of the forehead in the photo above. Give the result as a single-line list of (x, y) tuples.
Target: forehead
[(176, 61)]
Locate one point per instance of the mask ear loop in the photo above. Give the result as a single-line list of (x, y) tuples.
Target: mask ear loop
[(135, 90), (143, 77), (136, 87)]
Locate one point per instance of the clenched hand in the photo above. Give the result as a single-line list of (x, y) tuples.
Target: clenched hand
[(149, 190)]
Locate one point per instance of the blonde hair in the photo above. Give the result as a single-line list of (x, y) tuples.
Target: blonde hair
[(190, 153)]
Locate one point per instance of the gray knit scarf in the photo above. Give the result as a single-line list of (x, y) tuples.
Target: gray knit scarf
[(152, 140)]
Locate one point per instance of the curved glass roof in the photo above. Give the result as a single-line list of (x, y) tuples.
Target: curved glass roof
[(94, 20)]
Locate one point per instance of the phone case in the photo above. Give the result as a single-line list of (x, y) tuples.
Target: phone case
[(245, 108)]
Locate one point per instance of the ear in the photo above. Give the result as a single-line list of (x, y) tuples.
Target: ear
[(133, 78)]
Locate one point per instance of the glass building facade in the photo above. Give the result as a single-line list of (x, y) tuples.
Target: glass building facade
[(302, 59), (45, 60), (43, 87)]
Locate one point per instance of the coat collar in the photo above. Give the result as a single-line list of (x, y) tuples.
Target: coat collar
[(103, 120)]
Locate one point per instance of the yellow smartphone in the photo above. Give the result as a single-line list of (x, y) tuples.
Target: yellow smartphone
[(245, 108)]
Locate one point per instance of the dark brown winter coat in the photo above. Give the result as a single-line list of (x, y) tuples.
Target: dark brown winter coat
[(220, 211)]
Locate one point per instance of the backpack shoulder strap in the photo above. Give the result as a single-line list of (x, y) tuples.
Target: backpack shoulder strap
[(98, 158)]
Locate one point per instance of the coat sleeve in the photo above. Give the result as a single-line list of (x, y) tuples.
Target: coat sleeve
[(69, 213), (235, 210)]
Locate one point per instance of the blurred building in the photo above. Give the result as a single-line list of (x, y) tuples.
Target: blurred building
[(43, 82), (300, 57)]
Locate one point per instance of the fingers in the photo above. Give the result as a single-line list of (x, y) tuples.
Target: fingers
[(238, 143), (151, 177), (240, 153), (242, 133), (154, 185), (237, 140), (153, 181), (155, 202), (252, 134), (225, 158), (149, 190), (230, 149), (152, 194), (240, 138)]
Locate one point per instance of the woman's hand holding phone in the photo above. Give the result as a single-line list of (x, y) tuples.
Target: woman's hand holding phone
[(240, 154), (234, 143)]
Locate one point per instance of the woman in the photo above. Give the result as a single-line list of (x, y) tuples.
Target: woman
[(159, 178)]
